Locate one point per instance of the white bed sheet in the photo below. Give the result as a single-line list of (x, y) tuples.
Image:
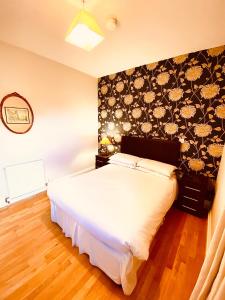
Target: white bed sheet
[(120, 267), (121, 207)]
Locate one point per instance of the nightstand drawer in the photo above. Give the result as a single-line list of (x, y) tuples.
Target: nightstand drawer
[(192, 192), (102, 159), (190, 202), (189, 209), (188, 198), (195, 181), (192, 189)]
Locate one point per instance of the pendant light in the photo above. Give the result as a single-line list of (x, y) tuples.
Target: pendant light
[(84, 32)]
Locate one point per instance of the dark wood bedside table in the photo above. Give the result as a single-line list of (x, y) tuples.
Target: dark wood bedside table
[(101, 160), (195, 194)]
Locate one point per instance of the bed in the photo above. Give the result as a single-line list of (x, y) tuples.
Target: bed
[(113, 213)]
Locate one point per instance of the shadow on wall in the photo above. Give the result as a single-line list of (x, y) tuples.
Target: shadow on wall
[(83, 157)]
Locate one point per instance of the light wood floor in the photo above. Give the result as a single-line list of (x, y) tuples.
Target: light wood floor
[(38, 262)]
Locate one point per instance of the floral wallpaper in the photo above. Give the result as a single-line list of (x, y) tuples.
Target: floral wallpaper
[(182, 97)]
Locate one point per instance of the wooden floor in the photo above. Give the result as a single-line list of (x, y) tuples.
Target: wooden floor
[(38, 262)]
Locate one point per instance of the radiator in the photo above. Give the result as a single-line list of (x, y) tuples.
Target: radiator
[(24, 179)]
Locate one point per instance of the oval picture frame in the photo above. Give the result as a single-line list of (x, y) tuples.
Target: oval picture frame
[(16, 113)]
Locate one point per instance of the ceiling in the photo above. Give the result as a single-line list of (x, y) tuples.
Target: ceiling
[(148, 30)]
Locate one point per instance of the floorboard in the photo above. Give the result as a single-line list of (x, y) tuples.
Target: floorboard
[(38, 262)]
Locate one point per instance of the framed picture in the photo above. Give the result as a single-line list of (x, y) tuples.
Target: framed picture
[(16, 113)]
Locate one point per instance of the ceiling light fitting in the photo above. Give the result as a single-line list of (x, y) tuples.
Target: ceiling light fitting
[(84, 32), (111, 23)]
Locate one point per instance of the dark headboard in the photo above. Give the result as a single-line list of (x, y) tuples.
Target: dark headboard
[(156, 149)]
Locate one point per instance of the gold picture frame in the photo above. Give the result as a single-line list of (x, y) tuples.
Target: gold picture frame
[(16, 113)]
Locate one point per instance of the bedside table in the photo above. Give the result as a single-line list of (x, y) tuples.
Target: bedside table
[(101, 160), (195, 194)]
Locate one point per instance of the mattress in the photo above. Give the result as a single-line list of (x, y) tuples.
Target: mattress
[(119, 206)]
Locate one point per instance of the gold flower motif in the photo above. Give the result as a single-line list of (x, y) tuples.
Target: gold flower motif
[(203, 130), (180, 59), (175, 94), (129, 72), (110, 148), (128, 99), (171, 128), (215, 150), (117, 138), (216, 51), (151, 66), (112, 76), (111, 101), (220, 111), (119, 113), (188, 111), (196, 164), (126, 126), (99, 102), (104, 114), (193, 73), (119, 86), (185, 147), (136, 113), (111, 125), (163, 78), (104, 89), (223, 69), (103, 135), (209, 91), (146, 127), (138, 83), (149, 97), (159, 112)]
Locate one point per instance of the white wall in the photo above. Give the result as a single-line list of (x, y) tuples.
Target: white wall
[(219, 200), (64, 103)]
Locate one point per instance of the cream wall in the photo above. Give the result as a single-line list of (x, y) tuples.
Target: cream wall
[(64, 103), (219, 201)]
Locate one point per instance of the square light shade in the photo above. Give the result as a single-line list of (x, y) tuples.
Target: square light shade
[(84, 32)]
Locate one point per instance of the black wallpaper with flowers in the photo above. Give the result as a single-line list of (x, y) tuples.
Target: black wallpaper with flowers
[(181, 97)]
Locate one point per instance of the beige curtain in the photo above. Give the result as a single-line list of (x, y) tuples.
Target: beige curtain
[(211, 281)]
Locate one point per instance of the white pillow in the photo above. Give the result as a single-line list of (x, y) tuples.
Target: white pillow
[(156, 166), (124, 159), (144, 170), (119, 163)]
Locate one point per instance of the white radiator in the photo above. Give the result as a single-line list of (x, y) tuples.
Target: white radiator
[(24, 179)]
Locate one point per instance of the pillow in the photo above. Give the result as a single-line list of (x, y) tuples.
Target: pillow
[(124, 159), (156, 166), (144, 170), (119, 163)]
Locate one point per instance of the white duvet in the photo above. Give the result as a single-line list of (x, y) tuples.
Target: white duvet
[(121, 207)]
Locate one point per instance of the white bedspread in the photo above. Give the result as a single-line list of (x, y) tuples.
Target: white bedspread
[(121, 207)]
